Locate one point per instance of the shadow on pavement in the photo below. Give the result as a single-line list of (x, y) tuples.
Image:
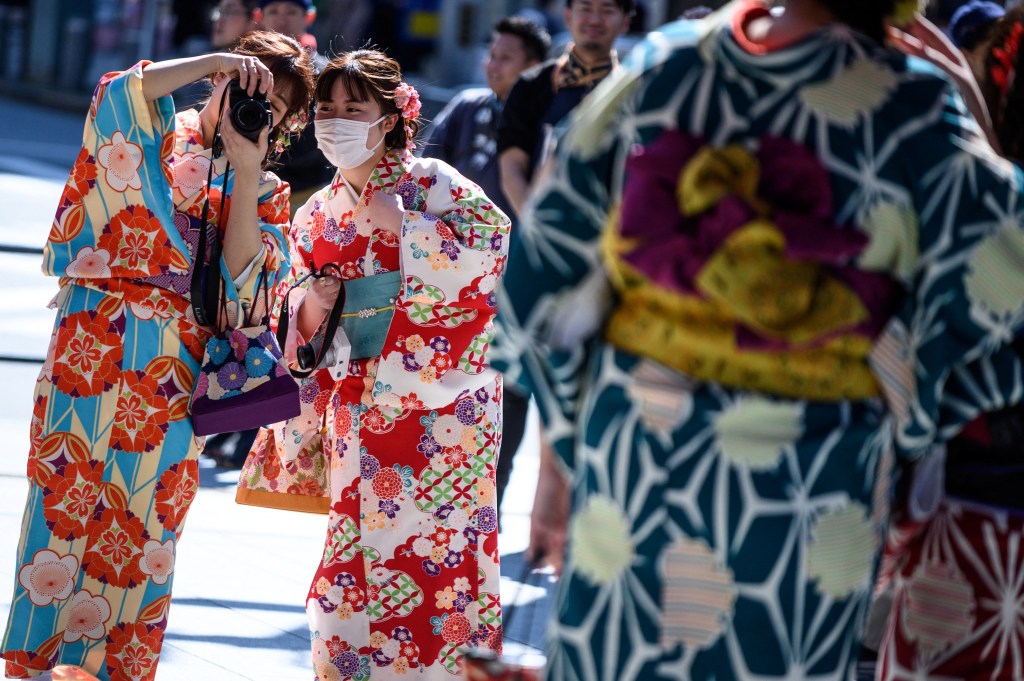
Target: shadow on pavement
[(526, 604)]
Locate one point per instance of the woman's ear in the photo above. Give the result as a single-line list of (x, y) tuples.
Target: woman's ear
[(390, 122)]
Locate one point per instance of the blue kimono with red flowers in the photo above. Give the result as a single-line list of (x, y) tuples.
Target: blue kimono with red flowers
[(113, 460), (749, 281)]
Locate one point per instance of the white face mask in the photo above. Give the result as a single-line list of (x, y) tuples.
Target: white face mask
[(344, 142)]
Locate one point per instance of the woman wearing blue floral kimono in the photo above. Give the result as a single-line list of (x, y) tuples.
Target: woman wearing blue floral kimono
[(113, 460), (770, 255)]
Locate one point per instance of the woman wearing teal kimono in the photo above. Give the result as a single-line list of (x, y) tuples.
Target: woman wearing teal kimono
[(770, 255), (113, 459)]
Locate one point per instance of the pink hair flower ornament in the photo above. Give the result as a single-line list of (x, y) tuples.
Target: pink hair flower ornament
[(407, 99)]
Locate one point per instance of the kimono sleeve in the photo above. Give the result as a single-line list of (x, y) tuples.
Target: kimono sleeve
[(557, 256), (122, 174), (272, 212), (453, 257), (938, 358)]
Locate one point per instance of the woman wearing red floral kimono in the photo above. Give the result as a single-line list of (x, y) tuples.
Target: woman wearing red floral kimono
[(409, 575), (112, 463)]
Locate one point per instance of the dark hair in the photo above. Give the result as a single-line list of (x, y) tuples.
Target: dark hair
[(942, 11), (1007, 109), (627, 6), (291, 66), (976, 35), (866, 16), (536, 41), (369, 75)]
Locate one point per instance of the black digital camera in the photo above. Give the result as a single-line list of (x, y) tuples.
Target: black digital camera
[(248, 114)]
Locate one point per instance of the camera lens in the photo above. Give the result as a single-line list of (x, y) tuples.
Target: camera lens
[(250, 115), (306, 356)]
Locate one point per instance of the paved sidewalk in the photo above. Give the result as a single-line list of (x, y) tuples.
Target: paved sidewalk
[(241, 573)]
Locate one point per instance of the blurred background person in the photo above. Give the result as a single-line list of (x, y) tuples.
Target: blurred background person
[(230, 20), (544, 94), (971, 28), (294, 18), (729, 422)]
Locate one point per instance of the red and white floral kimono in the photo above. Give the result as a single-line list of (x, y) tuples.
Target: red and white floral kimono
[(409, 575)]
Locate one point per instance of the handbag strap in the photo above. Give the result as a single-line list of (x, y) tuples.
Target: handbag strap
[(333, 320), (206, 279)]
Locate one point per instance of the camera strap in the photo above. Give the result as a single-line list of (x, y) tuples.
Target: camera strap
[(206, 277), (333, 321)]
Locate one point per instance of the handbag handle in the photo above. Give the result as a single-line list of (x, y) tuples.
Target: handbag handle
[(333, 320)]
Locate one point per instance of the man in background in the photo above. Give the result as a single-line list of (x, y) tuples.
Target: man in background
[(545, 94), (302, 165), (231, 19), (465, 132)]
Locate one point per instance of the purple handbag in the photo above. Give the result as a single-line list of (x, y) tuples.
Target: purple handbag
[(243, 382)]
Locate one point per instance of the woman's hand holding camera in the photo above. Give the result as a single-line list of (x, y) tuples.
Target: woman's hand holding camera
[(252, 73)]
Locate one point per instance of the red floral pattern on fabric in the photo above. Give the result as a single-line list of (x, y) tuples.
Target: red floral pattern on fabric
[(140, 422), (21, 662), (115, 548), (88, 354), (72, 498), (175, 493), (136, 242), (133, 651)]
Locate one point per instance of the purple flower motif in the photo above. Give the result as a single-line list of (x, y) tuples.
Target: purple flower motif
[(308, 391), (232, 376), (431, 568), (380, 659), (428, 446), (407, 190), (331, 231), (326, 605), (440, 344), (267, 340), (347, 663), (492, 299), (482, 396), (239, 343), (496, 241), (471, 535), (368, 466), (449, 248), (344, 579), (202, 385), (443, 511), (465, 411), (348, 235), (410, 363), (453, 559), (388, 507), (401, 634), (487, 519), (461, 601)]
